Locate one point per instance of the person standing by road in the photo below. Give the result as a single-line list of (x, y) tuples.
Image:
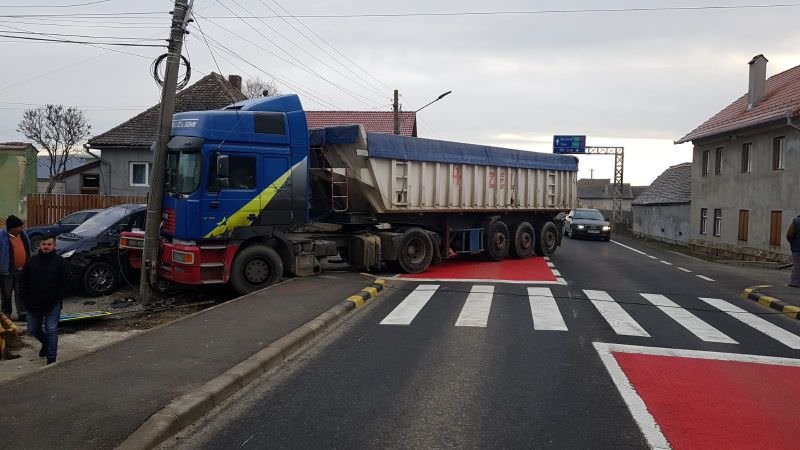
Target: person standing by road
[(15, 248), (793, 236), (43, 284)]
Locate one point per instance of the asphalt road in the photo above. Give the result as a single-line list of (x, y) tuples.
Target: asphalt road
[(460, 366)]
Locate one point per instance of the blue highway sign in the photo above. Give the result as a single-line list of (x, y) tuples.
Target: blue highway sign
[(569, 144)]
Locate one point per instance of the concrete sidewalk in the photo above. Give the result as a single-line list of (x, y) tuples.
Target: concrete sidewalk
[(778, 297), (98, 400)]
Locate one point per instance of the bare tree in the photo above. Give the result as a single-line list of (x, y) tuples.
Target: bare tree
[(57, 129), (256, 88)]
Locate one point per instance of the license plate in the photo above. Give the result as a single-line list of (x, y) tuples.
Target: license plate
[(594, 231)]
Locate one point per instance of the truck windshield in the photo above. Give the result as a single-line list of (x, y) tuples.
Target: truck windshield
[(183, 172)]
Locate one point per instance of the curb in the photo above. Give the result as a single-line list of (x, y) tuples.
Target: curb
[(753, 293), (188, 408)]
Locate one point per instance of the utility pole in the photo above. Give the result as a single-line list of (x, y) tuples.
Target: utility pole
[(149, 272), (396, 109)]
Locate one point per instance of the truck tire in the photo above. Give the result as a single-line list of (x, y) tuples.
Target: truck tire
[(254, 268), (524, 241), (497, 241), (415, 251), (548, 239)]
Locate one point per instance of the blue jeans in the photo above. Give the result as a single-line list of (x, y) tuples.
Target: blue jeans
[(44, 327)]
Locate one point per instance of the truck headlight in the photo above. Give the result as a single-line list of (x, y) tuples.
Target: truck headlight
[(183, 257), (68, 254)]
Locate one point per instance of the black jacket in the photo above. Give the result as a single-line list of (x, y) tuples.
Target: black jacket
[(43, 282)]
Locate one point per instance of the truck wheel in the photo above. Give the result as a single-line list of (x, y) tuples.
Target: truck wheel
[(548, 239), (254, 268), (524, 240), (99, 279), (416, 251), (497, 241)]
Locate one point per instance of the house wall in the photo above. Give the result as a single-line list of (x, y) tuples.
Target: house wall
[(72, 184), (761, 191), (603, 203), (18, 174), (58, 188), (669, 223), (115, 176)]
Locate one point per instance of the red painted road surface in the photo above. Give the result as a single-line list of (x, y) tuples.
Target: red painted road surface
[(529, 269), (712, 404)]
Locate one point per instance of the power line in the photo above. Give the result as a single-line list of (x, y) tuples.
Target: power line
[(121, 15), (67, 41), (55, 6), (82, 24), (523, 12), (86, 36), (375, 88)]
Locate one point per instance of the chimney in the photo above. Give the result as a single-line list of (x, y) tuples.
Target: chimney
[(236, 81), (758, 80)]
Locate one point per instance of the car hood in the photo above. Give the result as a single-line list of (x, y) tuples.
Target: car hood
[(78, 244), (589, 222)]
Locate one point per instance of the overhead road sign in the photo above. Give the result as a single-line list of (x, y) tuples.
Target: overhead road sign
[(569, 144)]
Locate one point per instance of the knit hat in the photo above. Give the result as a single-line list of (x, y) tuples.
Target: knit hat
[(13, 222)]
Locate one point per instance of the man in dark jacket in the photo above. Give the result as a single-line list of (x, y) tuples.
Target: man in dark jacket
[(43, 283), (793, 236), (15, 248)]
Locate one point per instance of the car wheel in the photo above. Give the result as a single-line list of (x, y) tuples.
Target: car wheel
[(254, 268), (100, 278)]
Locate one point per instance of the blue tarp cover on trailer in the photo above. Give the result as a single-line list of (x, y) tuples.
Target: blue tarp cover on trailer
[(420, 149)]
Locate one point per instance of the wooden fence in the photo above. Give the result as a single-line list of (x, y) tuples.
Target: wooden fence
[(45, 209)]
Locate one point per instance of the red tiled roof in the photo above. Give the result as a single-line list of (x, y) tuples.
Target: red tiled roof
[(212, 91), (373, 121), (782, 99)]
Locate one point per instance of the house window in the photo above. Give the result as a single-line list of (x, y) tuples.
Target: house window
[(746, 148), (775, 228), (718, 161), (717, 222), (777, 152), (703, 220), (90, 183), (139, 174), (706, 156), (744, 219)]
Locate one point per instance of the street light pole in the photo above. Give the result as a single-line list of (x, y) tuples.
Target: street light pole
[(396, 107)]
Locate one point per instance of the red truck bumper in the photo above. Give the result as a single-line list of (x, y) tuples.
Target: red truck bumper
[(205, 263)]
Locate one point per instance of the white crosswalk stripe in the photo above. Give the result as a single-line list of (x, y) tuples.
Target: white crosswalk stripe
[(768, 328), (475, 312), (408, 309), (544, 309), (688, 320), (546, 314), (620, 321)]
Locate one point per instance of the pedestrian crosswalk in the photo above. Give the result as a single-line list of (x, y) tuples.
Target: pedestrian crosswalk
[(475, 311)]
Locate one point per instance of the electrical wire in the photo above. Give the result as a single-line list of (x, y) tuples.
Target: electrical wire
[(56, 6), (300, 65), (525, 12), (69, 41), (327, 43), (86, 35)]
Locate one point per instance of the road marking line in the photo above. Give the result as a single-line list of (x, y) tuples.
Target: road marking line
[(684, 270), (556, 273), (688, 320), (408, 309), (651, 256), (475, 312), (768, 328), (612, 312), (631, 248), (547, 258), (650, 430), (703, 277), (665, 262), (476, 280), (549, 264), (545, 312)]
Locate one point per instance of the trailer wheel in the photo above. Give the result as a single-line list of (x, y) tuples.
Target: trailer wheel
[(254, 268), (548, 239), (524, 240), (416, 251), (497, 241)]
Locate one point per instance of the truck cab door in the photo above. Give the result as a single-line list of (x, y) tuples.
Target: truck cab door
[(224, 207)]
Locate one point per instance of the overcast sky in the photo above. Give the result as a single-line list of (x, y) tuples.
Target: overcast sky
[(635, 79)]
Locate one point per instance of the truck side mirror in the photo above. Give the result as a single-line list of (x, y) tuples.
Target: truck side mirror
[(223, 171)]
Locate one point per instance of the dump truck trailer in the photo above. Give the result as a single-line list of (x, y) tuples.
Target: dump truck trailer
[(251, 194)]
